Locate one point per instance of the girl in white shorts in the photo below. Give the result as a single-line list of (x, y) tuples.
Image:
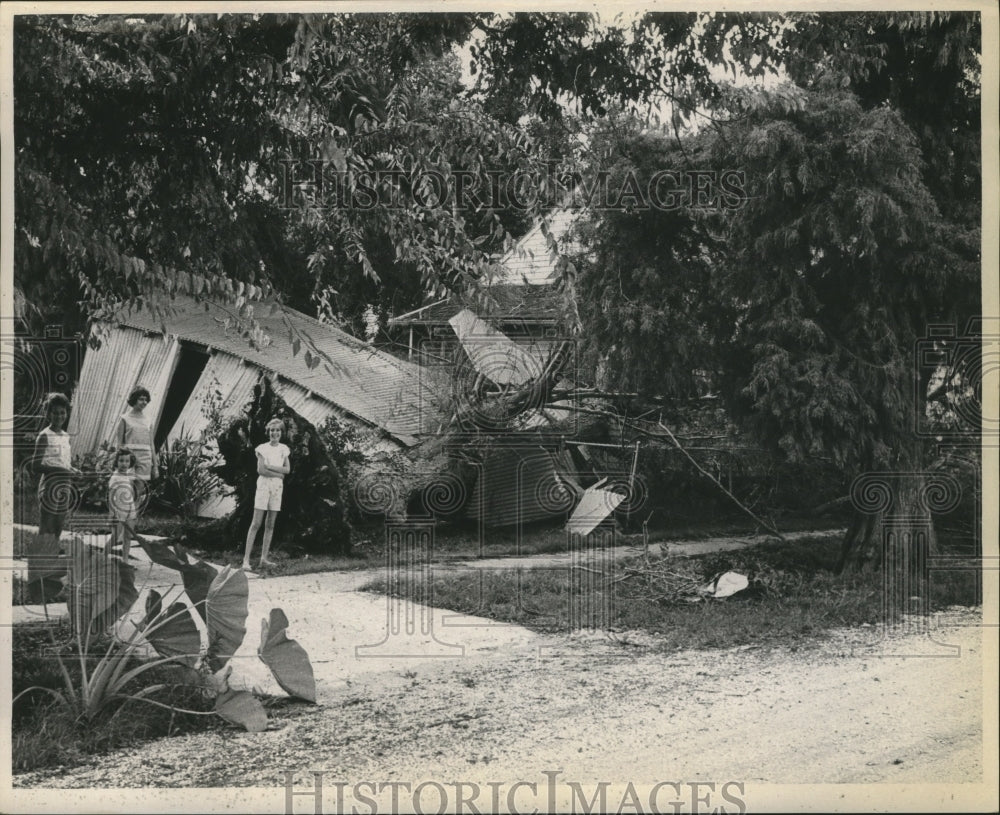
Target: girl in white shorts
[(272, 467)]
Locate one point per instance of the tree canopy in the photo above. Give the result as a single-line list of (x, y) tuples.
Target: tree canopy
[(858, 229), (154, 152), (154, 156), (316, 158), (809, 296)]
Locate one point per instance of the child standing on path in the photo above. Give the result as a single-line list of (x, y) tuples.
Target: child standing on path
[(121, 501), (272, 467)]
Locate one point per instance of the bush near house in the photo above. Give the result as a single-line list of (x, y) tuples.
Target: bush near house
[(186, 481)]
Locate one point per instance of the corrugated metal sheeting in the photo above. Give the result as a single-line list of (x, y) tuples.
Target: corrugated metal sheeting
[(127, 358), (521, 486), (317, 411), (232, 378), (494, 354), (307, 405), (501, 302), (230, 381), (380, 389)]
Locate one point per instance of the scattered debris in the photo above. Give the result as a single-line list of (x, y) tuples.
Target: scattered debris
[(725, 584), (595, 505), (671, 580)]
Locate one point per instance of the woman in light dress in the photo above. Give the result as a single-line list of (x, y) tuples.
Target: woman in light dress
[(134, 433), (53, 460)]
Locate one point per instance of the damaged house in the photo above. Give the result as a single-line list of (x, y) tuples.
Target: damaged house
[(195, 357), (500, 339)]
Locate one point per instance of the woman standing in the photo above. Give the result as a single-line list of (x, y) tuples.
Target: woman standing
[(53, 460), (133, 431)]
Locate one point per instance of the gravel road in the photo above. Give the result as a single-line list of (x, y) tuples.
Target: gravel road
[(458, 710), (857, 708)]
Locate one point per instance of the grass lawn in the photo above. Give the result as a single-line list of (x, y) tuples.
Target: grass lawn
[(452, 541), (794, 595)]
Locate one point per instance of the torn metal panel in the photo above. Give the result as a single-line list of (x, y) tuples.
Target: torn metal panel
[(127, 358), (519, 485), (493, 353), (362, 381), (595, 506), (225, 378)]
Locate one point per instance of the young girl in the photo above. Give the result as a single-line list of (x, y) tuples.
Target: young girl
[(121, 501), (52, 458), (133, 431), (272, 467)]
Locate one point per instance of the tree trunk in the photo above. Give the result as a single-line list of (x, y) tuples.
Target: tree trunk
[(893, 532)]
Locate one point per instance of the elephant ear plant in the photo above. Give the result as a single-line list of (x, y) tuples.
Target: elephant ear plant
[(101, 592)]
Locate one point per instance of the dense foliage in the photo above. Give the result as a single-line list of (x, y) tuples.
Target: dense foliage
[(859, 229), (163, 154), (155, 153), (153, 156)]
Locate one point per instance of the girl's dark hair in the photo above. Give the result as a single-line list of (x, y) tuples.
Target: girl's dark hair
[(54, 400), (136, 393), (124, 451)]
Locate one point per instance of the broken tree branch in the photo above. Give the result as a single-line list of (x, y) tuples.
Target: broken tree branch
[(836, 502), (766, 524)]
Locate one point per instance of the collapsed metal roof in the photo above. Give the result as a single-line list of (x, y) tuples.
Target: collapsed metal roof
[(369, 384)]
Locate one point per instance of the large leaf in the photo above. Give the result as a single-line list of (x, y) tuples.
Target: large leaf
[(173, 634), (163, 554), (242, 708), (127, 592), (288, 661), (226, 614), (154, 605), (124, 598), (92, 588), (197, 576)]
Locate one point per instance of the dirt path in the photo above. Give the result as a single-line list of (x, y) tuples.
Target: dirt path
[(454, 698), (685, 548), (515, 705)]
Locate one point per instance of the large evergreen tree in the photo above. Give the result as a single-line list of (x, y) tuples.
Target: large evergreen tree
[(860, 228)]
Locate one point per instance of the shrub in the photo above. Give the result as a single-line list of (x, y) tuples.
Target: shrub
[(46, 732), (96, 468), (344, 442), (186, 478), (101, 674)]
